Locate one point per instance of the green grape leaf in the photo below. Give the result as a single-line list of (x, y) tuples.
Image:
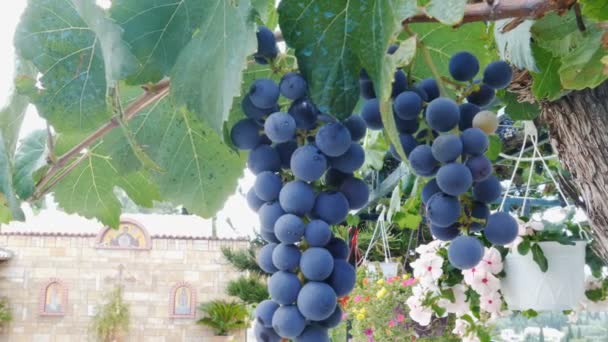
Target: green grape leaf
[(266, 9), (30, 157), (67, 42), (11, 115), (519, 110), (449, 12), (157, 31), (89, 189), (494, 148), (10, 207), (546, 83), (334, 40), (208, 71), (539, 257), (595, 9), (582, 67), (443, 41), (407, 220), (199, 171)]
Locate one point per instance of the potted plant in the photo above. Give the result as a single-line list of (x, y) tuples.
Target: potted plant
[(224, 317), (111, 322), (545, 267)]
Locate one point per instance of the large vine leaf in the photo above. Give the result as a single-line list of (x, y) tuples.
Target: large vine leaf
[(69, 53), (519, 110), (208, 71), (30, 157), (443, 41), (89, 189), (582, 68), (10, 208), (195, 168), (449, 12), (546, 82), (595, 9), (11, 115), (157, 31)]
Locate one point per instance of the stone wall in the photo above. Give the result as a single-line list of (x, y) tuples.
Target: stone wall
[(90, 273)]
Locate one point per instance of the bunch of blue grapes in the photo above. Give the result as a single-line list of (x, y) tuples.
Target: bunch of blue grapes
[(304, 164), (445, 142)]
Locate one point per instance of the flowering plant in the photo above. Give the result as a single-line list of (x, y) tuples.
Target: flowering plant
[(472, 295), (377, 308)]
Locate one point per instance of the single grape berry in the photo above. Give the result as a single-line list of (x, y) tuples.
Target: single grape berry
[(488, 190), (399, 83), (497, 75), (406, 126), (407, 105), (268, 214), (351, 160), (286, 257), (266, 334), (285, 151), (501, 228), (267, 45), (483, 96), (264, 312), (446, 148), (289, 228), (334, 178), (442, 114), (338, 248), (474, 141), (443, 210), (317, 301), (465, 252), (264, 93), (253, 200), (317, 233), (392, 48), (422, 161), (288, 322), (480, 167), (316, 263), (356, 126), (254, 112), (430, 87), (333, 139), (308, 163), (267, 186), (486, 121), (331, 321), (467, 113), (370, 112), (463, 66), (331, 207), (280, 127), (445, 233), (342, 279), (284, 287), (314, 333), (264, 258), (479, 211), (297, 197), (429, 189), (304, 113), (263, 158), (454, 179), (408, 143), (356, 192), (293, 86), (245, 134)]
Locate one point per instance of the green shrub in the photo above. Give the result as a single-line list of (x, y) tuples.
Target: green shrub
[(224, 316)]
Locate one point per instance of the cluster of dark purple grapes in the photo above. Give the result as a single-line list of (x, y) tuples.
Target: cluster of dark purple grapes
[(447, 143), (304, 164)]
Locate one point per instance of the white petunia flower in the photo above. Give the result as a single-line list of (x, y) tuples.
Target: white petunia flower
[(460, 306), (491, 302), (492, 261), (428, 268), (419, 313), (485, 283)]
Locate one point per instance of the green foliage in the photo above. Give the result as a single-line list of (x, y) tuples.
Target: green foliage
[(30, 156), (224, 316), (219, 51), (539, 257), (5, 311), (595, 9), (519, 110), (9, 204), (494, 148), (112, 319), (333, 40), (243, 259), (449, 12), (250, 290), (568, 59)]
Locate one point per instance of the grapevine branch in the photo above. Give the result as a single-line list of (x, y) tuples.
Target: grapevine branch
[(152, 94), (502, 10)]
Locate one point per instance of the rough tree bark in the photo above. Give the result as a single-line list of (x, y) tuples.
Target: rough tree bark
[(578, 125)]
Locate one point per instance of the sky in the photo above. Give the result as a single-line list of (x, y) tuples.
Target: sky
[(243, 219)]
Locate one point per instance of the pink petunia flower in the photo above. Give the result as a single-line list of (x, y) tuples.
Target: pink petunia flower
[(391, 323), (408, 282), (357, 299), (400, 318)]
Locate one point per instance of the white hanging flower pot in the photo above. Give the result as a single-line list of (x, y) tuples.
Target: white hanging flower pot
[(560, 288), (389, 269)]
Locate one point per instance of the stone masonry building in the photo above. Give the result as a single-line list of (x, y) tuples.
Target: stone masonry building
[(55, 272)]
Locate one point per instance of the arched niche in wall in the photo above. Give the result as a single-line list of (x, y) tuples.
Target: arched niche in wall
[(182, 301), (53, 298), (129, 235)]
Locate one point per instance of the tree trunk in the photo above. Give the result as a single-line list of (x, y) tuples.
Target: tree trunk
[(578, 125)]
